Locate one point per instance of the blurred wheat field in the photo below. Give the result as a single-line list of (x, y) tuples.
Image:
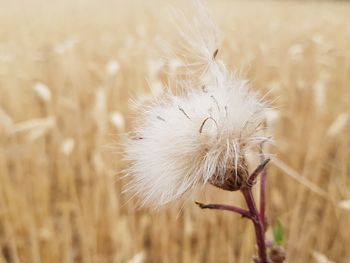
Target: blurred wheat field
[(67, 73)]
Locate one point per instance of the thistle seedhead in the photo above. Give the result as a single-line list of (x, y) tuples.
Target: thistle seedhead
[(203, 134), (234, 179)]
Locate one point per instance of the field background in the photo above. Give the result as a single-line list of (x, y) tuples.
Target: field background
[(67, 72)]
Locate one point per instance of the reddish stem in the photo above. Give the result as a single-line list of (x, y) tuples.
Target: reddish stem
[(258, 224), (262, 208), (253, 214), (263, 198), (241, 211), (252, 178)]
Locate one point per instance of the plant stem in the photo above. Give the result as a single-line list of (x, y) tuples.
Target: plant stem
[(252, 178), (241, 211), (263, 175), (258, 218), (263, 198), (258, 224)]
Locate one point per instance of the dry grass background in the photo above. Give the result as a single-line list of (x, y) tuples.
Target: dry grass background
[(67, 71)]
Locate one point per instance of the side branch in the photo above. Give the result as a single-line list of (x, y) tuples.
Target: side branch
[(263, 198), (252, 178), (241, 211)]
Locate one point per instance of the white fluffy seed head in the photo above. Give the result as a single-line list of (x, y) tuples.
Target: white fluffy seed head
[(182, 142), (202, 135)]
